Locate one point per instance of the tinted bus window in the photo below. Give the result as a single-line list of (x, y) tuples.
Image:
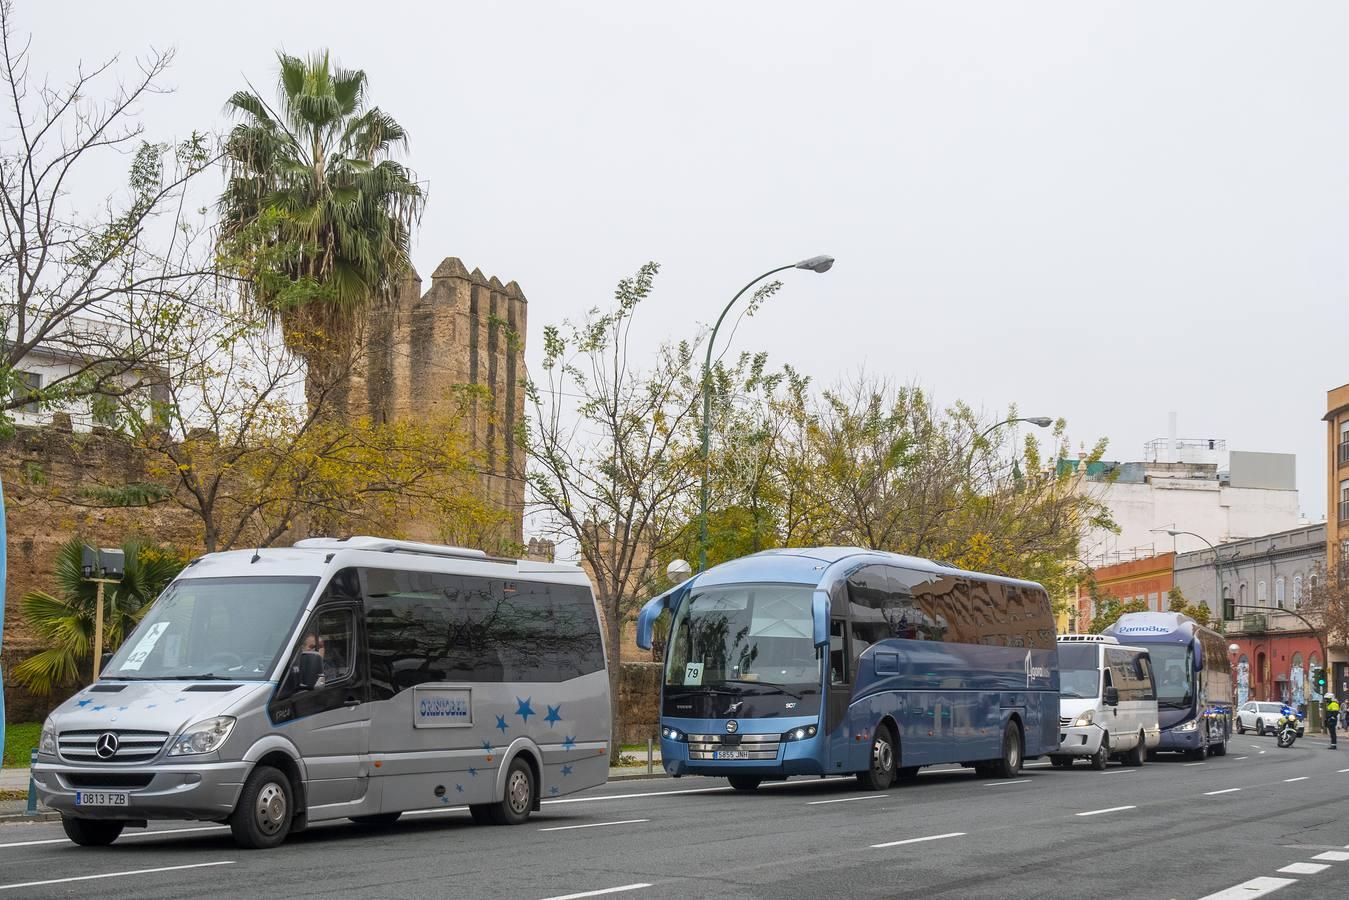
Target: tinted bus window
[(433, 627), (1132, 680)]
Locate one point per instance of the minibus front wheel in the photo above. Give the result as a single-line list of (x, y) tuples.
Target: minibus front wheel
[(91, 832), (262, 818)]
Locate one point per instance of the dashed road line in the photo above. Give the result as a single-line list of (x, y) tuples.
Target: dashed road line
[(1332, 856), (1193, 764), (7, 887), (1097, 812), (138, 834), (593, 825), (1299, 778), (1304, 868), (1223, 791), (613, 890), (1240, 757), (848, 799), (918, 840), (1001, 783), (1256, 887)]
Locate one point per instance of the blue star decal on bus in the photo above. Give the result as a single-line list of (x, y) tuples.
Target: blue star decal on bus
[(553, 716), (123, 708), (83, 703), (97, 708), (472, 772), (501, 723), (487, 745), (569, 743), (523, 709), (459, 788), (553, 790), (151, 705), (566, 770)]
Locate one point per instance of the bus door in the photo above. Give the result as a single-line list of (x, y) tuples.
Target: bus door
[(329, 723), (838, 696)]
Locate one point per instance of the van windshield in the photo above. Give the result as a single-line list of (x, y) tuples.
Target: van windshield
[(213, 628), (1079, 671)]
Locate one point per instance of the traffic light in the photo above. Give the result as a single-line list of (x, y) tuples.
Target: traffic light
[(1319, 680)]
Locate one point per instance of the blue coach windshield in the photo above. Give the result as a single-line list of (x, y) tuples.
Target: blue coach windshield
[(743, 634), (1173, 667)]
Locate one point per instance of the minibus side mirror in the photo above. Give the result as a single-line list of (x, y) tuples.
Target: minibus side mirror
[(103, 662), (1112, 696), (310, 669)]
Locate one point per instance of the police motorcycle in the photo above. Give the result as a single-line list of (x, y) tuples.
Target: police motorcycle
[(1289, 726)]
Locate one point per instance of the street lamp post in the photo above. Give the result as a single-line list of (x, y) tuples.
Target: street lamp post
[(1038, 421), (101, 567), (1217, 565), (814, 264)]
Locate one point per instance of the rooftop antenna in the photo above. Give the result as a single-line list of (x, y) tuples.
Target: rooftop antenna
[(257, 555)]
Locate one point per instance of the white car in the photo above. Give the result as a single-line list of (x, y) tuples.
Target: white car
[(1260, 716)]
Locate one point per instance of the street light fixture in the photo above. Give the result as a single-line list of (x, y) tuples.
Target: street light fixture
[(1038, 421), (1217, 565), (819, 264), (101, 567)]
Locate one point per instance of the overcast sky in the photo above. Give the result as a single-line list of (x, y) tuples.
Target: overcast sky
[(1101, 211)]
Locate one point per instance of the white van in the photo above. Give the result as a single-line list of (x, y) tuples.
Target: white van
[(356, 678), (1107, 702)]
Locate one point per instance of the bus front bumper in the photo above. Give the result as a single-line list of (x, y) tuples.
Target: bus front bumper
[(1175, 739), (1079, 740), (207, 790), (791, 757)]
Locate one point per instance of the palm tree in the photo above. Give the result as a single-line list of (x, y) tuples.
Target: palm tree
[(315, 214), (65, 624)]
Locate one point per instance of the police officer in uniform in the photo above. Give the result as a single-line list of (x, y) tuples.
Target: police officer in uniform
[(1332, 718)]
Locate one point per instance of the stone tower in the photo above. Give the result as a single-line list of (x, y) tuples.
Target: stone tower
[(421, 350)]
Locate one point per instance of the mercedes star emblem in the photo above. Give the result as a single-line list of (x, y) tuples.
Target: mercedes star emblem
[(106, 748)]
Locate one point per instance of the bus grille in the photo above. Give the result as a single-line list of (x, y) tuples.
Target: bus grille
[(758, 746), (1064, 722), (132, 746)]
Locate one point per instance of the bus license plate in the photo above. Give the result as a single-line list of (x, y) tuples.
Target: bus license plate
[(102, 798), (732, 754)]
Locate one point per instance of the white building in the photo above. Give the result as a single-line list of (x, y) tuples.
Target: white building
[(1189, 485), (48, 364)]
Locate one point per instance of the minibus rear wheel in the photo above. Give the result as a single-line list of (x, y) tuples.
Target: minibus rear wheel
[(262, 818), (513, 808), (91, 832)]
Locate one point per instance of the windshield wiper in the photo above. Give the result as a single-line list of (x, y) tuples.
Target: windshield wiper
[(205, 676), (767, 684)]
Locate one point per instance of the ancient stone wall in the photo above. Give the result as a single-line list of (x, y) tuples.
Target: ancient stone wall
[(639, 695), (423, 351), (44, 470)]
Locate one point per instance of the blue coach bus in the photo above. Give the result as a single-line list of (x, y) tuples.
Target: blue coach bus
[(831, 661), (1194, 680)]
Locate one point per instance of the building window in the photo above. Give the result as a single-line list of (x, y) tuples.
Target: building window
[(27, 385), (1241, 596), (1312, 581), (1262, 593), (1278, 592), (1297, 590)]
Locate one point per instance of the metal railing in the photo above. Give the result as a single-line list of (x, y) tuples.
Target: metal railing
[(1254, 623)]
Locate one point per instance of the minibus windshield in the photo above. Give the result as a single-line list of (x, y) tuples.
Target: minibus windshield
[(1079, 671), (213, 628)]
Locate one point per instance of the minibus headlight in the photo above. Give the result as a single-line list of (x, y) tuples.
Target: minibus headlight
[(1188, 726), (673, 734), (203, 737), (47, 743), (800, 734), (1084, 718)]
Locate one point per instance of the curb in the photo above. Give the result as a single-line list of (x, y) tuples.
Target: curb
[(638, 776), (22, 818)]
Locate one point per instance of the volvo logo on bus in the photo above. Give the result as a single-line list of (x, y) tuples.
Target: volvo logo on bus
[(732, 726), (106, 748)]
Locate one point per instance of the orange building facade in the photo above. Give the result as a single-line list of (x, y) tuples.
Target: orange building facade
[(1149, 579)]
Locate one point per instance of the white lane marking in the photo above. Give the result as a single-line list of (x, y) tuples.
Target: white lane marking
[(1241, 757), (1256, 887), (1262, 753), (1223, 791), (138, 834), (930, 837), (1342, 771), (1193, 764), (6, 887), (1097, 812), (848, 799), (594, 825), (1255, 746), (1001, 783), (1304, 868), (1121, 772), (601, 892), (1332, 856), (1299, 778)]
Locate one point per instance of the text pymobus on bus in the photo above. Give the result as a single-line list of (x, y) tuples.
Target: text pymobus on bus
[(835, 660), (1193, 677), (355, 678)]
